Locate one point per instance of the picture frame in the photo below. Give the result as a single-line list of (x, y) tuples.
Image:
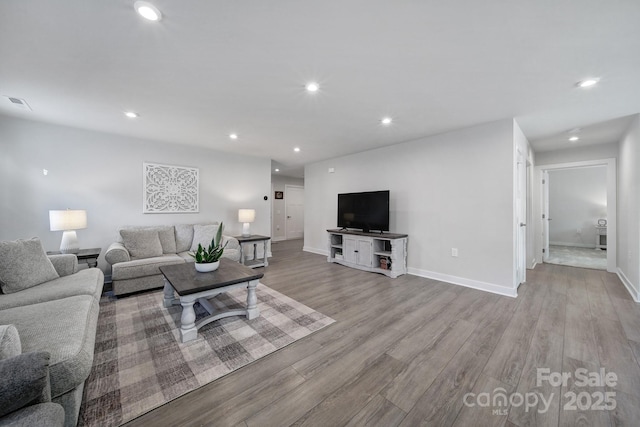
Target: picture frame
[(279, 195), (170, 189)]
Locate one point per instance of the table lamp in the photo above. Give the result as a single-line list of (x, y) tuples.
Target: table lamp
[(246, 217), (68, 221)]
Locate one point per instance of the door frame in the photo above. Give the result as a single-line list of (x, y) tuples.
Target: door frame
[(286, 215), (520, 216), (612, 230)]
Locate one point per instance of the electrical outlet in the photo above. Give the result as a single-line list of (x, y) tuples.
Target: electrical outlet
[(454, 251), (579, 231)]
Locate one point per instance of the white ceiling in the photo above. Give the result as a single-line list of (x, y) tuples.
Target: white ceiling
[(209, 68)]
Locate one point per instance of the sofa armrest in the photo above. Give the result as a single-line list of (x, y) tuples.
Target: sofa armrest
[(39, 415), (117, 253), (233, 242), (65, 264), (25, 381)]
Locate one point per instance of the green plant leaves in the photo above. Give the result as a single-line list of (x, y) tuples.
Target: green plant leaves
[(211, 253)]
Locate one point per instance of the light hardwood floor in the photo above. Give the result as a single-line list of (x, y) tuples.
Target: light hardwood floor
[(406, 351)]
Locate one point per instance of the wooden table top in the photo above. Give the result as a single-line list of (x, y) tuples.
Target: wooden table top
[(186, 280), (82, 253), (252, 238)]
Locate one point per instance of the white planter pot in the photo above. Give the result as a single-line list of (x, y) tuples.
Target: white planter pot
[(205, 268)]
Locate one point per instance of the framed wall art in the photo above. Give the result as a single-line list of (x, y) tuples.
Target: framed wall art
[(170, 189), (279, 195)]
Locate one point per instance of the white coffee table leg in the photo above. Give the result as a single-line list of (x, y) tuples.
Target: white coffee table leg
[(252, 300), (266, 261), (188, 330), (169, 294)]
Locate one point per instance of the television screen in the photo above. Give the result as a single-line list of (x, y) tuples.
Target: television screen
[(365, 211)]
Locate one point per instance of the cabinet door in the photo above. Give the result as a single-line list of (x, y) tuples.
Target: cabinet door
[(365, 252), (349, 250)]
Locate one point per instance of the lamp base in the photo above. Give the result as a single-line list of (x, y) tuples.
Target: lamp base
[(246, 231), (69, 243)]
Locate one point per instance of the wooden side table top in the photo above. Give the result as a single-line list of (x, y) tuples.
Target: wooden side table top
[(81, 254)]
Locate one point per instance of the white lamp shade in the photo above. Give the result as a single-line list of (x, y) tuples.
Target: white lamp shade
[(67, 220), (246, 215)]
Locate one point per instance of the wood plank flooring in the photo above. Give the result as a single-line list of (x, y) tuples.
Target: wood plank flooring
[(407, 352)]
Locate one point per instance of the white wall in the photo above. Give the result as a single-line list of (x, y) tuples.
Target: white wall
[(278, 213), (629, 209), (578, 154), (577, 199), (102, 173), (453, 190)]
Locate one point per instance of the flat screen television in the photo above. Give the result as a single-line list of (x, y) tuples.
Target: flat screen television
[(364, 211)]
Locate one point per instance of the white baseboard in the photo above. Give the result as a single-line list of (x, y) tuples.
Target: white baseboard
[(635, 294), (278, 239), (533, 265), (316, 251), (469, 283)]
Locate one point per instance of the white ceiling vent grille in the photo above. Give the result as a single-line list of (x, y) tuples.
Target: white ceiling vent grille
[(18, 103)]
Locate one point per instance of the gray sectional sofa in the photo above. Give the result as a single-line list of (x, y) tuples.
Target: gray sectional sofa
[(58, 318), (138, 254)]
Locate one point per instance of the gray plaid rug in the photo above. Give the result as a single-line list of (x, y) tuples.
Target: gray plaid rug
[(140, 363)]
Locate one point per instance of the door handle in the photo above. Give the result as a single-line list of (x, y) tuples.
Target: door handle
[(522, 224), (288, 217)]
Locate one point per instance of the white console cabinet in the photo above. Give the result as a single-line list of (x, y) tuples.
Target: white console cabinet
[(380, 253)]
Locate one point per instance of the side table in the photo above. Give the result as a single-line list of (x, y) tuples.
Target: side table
[(254, 240), (87, 256)]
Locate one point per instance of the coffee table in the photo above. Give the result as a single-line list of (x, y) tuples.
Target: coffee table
[(192, 286)]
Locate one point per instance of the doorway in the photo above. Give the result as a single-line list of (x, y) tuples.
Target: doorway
[(577, 215), (294, 212)]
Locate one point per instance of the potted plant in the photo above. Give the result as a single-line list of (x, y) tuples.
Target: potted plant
[(208, 259)]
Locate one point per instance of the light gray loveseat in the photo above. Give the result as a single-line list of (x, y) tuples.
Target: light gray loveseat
[(140, 251), (58, 316)]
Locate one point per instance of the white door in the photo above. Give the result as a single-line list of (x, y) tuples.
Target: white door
[(545, 216), (521, 218), (294, 211)]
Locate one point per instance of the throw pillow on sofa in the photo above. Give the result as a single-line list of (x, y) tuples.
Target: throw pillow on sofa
[(144, 243), (25, 381), (23, 264), (203, 234), (166, 233)]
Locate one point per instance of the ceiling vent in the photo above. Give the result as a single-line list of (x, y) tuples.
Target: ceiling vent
[(18, 103)]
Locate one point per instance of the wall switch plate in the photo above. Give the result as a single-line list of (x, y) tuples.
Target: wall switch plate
[(579, 231), (332, 170), (454, 251)]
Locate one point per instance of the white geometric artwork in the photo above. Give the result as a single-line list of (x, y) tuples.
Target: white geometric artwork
[(170, 189)]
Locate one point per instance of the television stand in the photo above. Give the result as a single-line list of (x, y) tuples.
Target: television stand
[(375, 252)]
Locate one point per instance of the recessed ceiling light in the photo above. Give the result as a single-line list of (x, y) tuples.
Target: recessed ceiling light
[(587, 83), (131, 114), (312, 87), (297, 149), (574, 139), (233, 135), (277, 170), (147, 11), (386, 121)]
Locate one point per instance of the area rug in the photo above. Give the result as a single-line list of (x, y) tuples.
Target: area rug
[(140, 363), (577, 257)]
